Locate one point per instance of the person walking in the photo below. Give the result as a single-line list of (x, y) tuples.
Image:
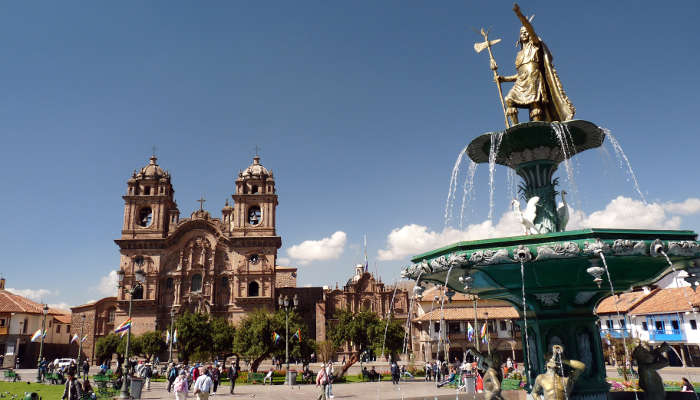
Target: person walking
[(322, 381), (72, 388), (202, 386), (233, 374), (329, 379), (215, 377), (180, 385), (395, 374), (171, 373), (147, 374), (86, 368)]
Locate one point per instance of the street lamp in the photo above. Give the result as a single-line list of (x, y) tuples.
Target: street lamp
[(80, 341), (488, 342), (172, 320), (284, 303), (44, 311), (140, 277)]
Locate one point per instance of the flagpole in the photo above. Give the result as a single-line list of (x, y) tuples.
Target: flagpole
[(476, 328), (80, 341)]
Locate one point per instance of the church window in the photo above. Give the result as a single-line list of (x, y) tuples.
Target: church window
[(147, 190), (138, 293), (111, 314), (145, 216), (253, 289), (196, 283), (58, 328), (169, 283), (254, 189), (254, 259), (254, 215), (224, 282)]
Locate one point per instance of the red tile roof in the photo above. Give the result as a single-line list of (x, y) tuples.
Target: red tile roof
[(467, 314), (12, 303), (668, 301), (624, 301)]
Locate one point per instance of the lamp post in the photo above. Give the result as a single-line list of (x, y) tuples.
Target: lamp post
[(284, 303), (80, 342), (170, 349), (488, 342), (44, 311), (140, 278)]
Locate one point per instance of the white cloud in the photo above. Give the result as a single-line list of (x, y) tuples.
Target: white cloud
[(328, 248), (688, 207), (283, 261), (62, 306), (108, 284), (621, 212), (32, 294)]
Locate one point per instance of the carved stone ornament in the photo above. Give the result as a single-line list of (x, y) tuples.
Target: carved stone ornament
[(548, 299), (623, 247), (583, 297), (592, 248), (522, 254), (685, 248), (415, 270), (439, 264), (596, 272), (656, 247), (489, 257), (558, 250)]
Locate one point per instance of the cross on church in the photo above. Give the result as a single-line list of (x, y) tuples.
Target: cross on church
[(154, 150), (201, 203), (257, 149)]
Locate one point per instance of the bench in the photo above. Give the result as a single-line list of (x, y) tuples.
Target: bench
[(54, 378), (510, 384), (255, 377), (102, 382)]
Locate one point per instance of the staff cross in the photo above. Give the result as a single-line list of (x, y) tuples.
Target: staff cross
[(257, 149), (201, 203), (154, 150)]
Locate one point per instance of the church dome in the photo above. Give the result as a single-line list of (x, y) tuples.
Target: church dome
[(152, 170), (255, 170)]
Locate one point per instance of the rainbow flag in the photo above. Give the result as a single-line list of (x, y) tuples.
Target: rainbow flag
[(74, 338), (84, 338), (126, 325), (175, 336), (470, 331), (297, 335), (483, 332), (167, 337), (37, 335), (275, 337)]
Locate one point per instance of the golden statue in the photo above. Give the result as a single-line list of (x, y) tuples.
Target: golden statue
[(552, 384), (492, 375), (648, 361), (537, 86)]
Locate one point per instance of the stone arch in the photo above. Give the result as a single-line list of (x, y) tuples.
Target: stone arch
[(253, 289)]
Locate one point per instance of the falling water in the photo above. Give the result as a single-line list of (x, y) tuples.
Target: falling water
[(442, 310), (407, 330), (527, 339), (388, 314), (468, 187), (511, 184), (622, 158), (496, 139), (453, 186), (617, 309), (561, 369), (566, 143)]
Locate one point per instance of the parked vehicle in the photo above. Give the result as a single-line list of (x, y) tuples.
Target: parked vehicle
[(63, 362)]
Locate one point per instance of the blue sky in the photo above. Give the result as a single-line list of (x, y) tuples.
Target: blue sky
[(360, 108)]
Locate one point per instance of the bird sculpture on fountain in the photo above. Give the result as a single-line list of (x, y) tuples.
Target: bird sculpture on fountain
[(563, 212), (527, 218)]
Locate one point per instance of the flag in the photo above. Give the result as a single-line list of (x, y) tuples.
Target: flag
[(470, 332), (483, 332), (124, 332), (124, 326), (275, 337), (167, 337), (36, 335), (84, 338), (74, 338), (366, 262), (297, 335), (175, 336)]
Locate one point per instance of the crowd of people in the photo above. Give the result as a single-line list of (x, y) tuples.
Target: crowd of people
[(199, 379)]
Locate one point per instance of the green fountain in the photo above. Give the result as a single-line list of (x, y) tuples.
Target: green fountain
[(553, 277)]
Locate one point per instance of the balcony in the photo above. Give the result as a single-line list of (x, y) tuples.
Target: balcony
[(3, 330), (615, 333), (665, 335)]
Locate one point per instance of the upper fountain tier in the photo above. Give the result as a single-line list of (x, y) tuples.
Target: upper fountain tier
[(537, 141)]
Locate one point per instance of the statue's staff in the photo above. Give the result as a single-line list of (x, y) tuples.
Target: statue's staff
[(486, 44)]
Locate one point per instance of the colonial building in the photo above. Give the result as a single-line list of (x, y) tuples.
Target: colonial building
[(223, 266), (19, 319)]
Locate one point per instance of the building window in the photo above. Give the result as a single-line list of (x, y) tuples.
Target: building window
[(137, 293), (58, 328), (609, 323), (253, 289), (674, 325), (693, 324), (645, 326), (196, 283), (659, 325), (145, 217), (2, 322), (254, 189), (24, 327), (504, 326), (254, 215), (147, 190), (622, 324), (169, 283), (436, 328), (111, 314), (254, 259), (224, 283), (454, 327)]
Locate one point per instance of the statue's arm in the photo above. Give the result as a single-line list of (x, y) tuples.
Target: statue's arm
[(577, 366), (536, 388), (533, 36)]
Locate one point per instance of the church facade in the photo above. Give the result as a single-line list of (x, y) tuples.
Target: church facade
[(222, 266)]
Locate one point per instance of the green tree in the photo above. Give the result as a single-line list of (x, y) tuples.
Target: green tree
[(194, 336), (134, 345), (106, 346), (222, 335), (365, 331), (394, 338), (152, 343)]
